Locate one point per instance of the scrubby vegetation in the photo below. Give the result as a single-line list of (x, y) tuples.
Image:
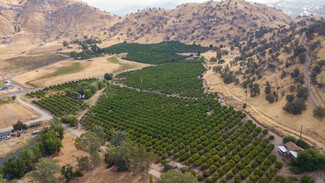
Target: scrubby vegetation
[(315, 72), (170, 78), (297, 104), (319, 112), (180, 128)]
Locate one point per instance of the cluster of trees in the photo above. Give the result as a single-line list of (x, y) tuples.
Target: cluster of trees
[(309, 160), (255, 90), (89, 49), (88, 142), (50, 142), (170, 78), (217, 144), (297, 104), (315, 28), (299, 142), (315, 72), (270, 96), (127, 156), (319, 112), (85, 90), (20, 126)]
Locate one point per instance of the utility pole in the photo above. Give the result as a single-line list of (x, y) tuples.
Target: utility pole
[(246, 95), (301, 131)]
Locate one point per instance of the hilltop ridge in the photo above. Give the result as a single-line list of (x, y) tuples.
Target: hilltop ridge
[(39, 22)]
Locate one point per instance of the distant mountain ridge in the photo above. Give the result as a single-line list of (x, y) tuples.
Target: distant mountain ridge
[(132, 9), (293, 8), (296, 8)]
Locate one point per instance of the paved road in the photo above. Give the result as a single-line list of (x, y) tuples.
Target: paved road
[(307, 67)]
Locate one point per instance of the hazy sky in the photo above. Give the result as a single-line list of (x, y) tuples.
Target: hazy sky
[(113, 5)]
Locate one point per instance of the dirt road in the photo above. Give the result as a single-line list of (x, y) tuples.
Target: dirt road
[(307, 67)]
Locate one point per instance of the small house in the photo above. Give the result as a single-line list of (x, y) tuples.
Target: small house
[(36, 133), (289, 149), (35, 124)]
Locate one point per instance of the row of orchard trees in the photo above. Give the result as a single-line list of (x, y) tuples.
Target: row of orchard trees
[(70, 102), (171, 78), (216, 143)]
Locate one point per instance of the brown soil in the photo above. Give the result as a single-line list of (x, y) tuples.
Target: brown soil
[(11, 113)]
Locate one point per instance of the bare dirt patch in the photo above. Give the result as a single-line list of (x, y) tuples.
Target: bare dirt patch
[(11, 113), (95, 67)]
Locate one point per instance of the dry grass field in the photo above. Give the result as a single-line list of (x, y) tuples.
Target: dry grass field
[(59, 72), (12, 112), (68, 156)]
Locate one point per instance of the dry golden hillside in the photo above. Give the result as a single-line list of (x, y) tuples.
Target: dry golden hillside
[(206, 23), (39, 22), (42, 21)]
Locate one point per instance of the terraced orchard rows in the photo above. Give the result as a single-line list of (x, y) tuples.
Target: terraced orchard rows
[(208, 138)]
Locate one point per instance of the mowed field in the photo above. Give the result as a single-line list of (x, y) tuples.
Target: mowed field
[(12, 112), (70, 70)]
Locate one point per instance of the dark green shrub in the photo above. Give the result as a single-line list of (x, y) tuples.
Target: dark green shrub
[(278, 164), (78, 173), (237, 179), (209, 180), (289, 138), (200, 178), (243, 174), (230, 175), (307, 179)]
